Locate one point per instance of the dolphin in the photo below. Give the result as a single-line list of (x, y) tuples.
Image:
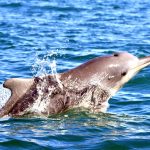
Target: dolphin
[(89, 85)]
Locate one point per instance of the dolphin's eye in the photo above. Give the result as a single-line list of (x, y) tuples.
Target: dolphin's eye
[(123, 73), (116, 54)]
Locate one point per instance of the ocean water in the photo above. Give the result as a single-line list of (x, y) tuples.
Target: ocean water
[(34, 33)]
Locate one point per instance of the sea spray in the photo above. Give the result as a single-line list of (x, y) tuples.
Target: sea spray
[(4, 95), (43, 67), (47, 64), (54, 73)]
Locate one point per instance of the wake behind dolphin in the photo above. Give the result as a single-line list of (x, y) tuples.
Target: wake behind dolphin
[(89, 85), (4, 95)]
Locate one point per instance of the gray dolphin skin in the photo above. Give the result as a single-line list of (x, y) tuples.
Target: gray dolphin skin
[(89, 85)]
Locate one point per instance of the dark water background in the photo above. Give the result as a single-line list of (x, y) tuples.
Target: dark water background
[(76, 31)]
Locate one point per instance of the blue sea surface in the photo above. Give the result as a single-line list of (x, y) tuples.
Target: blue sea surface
[(35, 32)]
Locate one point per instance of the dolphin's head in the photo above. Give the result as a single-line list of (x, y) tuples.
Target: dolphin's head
[(120, 68), (110, 72)]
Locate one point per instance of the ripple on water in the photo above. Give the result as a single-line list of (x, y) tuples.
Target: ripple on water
[(87, 131)]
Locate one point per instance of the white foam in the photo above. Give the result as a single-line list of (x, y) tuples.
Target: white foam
[(4, 95)]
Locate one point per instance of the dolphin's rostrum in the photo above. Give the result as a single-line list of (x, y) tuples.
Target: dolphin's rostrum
[(89, 85)]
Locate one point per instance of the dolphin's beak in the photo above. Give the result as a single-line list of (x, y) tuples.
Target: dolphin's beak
[(143, 62)]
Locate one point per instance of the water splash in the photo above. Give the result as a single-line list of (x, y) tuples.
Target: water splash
[(54, 73), (47, 64), (4, 95), (42, 64)]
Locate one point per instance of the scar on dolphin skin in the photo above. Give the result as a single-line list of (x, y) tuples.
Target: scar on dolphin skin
[(89, 85)]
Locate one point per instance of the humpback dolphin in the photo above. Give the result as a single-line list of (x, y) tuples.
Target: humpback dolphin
[(89, 85)]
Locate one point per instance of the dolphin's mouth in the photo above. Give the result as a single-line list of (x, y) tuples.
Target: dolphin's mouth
[(143, 62)]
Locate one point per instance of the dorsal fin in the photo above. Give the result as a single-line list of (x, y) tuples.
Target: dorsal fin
[(18, 88)]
